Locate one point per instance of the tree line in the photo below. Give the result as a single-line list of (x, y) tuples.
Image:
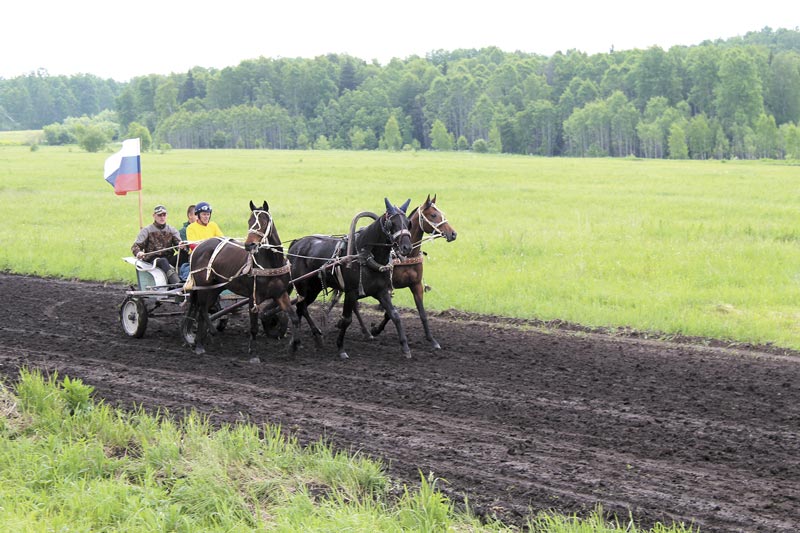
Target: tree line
[(738, 97)]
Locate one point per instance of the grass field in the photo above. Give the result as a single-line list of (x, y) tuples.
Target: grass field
[(671, 247), (20, 137)]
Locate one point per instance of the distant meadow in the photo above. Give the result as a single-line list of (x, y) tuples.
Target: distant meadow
[(700, 248)]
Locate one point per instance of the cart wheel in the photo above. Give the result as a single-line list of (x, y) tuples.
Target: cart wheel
[(133, 317), (189, 326), (275, 325)]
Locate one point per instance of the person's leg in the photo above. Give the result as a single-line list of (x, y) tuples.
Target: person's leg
[(164, 264)]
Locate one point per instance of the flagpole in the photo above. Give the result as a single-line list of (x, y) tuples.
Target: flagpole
[(141, 223)]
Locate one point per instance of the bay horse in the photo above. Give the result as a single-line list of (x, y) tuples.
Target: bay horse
[(318, 264), (407, 272), (256, 269)]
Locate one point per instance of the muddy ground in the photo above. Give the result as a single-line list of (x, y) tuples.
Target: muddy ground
[(514, 417)]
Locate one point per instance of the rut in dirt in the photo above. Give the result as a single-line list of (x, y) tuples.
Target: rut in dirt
[(514, 419)]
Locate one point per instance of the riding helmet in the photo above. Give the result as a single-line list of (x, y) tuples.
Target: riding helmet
[(202, 207)]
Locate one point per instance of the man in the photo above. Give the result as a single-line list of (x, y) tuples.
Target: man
[(157, 242), (183, 255), (199, 230), (202, 228), (191, 217)]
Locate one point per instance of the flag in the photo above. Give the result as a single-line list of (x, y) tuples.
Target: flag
[(123, 170)]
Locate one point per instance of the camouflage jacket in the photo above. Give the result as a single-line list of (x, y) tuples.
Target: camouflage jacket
[(156, 242)]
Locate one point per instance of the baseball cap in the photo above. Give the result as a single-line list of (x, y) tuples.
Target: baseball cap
[(157, 210)]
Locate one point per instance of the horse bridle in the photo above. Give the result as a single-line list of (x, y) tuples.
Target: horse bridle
[(256, 227), (421, 216), (393, 237)]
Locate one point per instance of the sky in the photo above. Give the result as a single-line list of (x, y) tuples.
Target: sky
[(125, 39)]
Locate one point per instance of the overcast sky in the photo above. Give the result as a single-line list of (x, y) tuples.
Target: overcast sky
[(124, 39)]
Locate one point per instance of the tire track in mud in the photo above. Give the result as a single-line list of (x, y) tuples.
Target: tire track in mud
[(513, 418)]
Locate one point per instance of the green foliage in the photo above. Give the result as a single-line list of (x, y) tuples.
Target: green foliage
[(92, 139), (596, 523), (678, 148), (480, 146), (566, 104), (136, 130), (322, 143), (495, 140), (108, 470), (441, 139), (391, 134)]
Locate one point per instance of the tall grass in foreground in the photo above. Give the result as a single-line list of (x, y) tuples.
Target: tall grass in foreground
[(70, 464), (706, 248)]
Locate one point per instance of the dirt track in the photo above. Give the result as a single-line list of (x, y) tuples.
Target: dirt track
[(513, 418)]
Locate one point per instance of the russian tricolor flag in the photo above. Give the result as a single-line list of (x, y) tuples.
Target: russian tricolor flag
[(123, 170)]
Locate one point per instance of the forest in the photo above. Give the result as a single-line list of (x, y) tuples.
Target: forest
[(731, 98)]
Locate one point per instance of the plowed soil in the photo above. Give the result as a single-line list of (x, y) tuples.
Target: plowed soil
[(511, 415)]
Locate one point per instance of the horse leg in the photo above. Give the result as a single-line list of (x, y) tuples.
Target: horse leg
[(199, 337), (285, 304), (418, 291), (350, 301), (367, 333), (376, 330), (253, 327), (385, 298), (302, 310)]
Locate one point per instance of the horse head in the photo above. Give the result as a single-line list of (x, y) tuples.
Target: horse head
[(433, 221), (395, 225), (261, 227)]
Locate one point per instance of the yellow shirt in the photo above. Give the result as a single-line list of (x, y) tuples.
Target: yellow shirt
[(196, 232)]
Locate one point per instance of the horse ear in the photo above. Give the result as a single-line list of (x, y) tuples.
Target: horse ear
[(266, 206), (434, 199), (389, 206), (405, 206), (428, 201), (252, 206)]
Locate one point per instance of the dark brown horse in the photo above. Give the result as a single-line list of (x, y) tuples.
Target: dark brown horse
[(407, 272), (256, 269), (321, 263)]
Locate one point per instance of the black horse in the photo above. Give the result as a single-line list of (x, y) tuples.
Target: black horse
[(256, 269), (357, 266), (407, 272)]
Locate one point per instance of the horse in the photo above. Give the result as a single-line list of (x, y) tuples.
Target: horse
[(256, 269), (407, 272), (318, 264)]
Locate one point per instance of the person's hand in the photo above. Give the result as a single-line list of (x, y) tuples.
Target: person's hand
[(140, 255), (385, 268)]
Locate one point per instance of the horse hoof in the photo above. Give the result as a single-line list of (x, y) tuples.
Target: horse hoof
[(200, 351), (435, 346), (254, 360), (407, 354), (344, 356)]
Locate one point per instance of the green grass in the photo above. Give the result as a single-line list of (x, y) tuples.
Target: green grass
[(68, 463), (21, 137), (672, 247)]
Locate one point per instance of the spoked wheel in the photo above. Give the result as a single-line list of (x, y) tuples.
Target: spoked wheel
[(133, 317), (189, 326), (275, 324), (191, 318)]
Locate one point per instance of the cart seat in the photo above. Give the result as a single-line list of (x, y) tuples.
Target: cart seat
[(148, 275)]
